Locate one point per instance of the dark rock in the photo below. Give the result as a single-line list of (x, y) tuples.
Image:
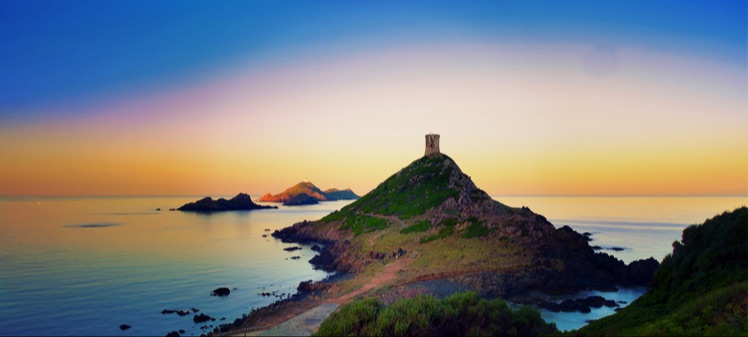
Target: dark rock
[(291, 249), (173, 334), (181, 331), (195, 310), (124, 327), (305, 286), (241, 202), (201, 318), (617, 249), (610, 304), (641, 271), (172, 209), (264, 235), (301, 199), (158, 209), (316, 248), (295, 257), (222, 291), (595, 301), (567, 306), (178, 312)]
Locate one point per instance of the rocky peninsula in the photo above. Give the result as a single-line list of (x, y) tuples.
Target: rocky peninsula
[(456, 232)]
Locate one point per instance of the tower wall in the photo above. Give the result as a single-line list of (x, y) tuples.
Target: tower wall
[(432, 144)]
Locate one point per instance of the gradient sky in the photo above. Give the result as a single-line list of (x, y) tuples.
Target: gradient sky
[(530, 97)]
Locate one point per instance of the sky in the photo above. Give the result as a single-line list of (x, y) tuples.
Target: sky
[(216, 98)]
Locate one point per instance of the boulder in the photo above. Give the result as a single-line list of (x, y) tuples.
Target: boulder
[(201, 318), (222, 291)]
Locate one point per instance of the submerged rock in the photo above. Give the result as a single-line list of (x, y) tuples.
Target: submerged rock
[(124, 327)]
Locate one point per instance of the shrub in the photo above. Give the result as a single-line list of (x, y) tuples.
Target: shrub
[(457, 315)]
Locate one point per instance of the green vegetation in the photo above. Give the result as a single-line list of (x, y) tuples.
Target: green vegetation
[(418, 187), (421, 226), (700, 289), (363, 223), (458, 315), (475, 229), (447, 230)]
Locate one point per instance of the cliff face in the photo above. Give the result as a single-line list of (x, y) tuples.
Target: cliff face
[(311, 190), (432, 207), (241, 202)]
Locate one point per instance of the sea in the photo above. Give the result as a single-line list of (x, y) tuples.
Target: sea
[(86, 265)]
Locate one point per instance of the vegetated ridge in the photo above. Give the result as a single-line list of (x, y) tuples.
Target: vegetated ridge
[(700, 289)]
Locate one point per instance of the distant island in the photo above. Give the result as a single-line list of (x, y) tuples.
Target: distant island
[(306, 193), (241, 202)]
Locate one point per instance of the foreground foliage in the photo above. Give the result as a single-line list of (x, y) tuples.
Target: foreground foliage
[(701, 289), (462, 314)]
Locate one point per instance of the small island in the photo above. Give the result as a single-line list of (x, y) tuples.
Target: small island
[(304, 192), (301, 199), (241, 202)]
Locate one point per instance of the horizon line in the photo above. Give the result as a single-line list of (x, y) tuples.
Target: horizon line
[(491, 195)]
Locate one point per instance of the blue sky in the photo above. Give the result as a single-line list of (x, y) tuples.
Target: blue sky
[(56, 52)]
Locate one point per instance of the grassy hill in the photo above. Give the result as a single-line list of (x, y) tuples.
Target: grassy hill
[(701, 289)]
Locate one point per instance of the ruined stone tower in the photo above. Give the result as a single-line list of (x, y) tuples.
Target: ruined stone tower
[(432, 144)]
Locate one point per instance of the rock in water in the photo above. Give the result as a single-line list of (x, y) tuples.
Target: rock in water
[(201, 318), (124, 327), (241, 202), (222, 291)]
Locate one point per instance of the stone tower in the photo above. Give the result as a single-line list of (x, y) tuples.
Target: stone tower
[(432, 144)]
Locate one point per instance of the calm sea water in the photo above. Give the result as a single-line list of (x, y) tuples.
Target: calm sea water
[(83, 266)]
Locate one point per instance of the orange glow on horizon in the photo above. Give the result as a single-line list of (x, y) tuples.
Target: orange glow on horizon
[(520, 120)]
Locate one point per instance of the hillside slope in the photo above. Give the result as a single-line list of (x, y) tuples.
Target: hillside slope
[(454, 231), (700, 289)]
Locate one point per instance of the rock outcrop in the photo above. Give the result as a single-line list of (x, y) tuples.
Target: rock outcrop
[(241, 202), (312, 191)]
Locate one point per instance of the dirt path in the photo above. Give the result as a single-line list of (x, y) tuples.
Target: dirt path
[(386, 275)]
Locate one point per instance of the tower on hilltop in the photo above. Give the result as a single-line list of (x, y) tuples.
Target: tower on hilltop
[(432, 144)]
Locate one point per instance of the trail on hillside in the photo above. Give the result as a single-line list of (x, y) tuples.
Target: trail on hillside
[(384, 276)]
